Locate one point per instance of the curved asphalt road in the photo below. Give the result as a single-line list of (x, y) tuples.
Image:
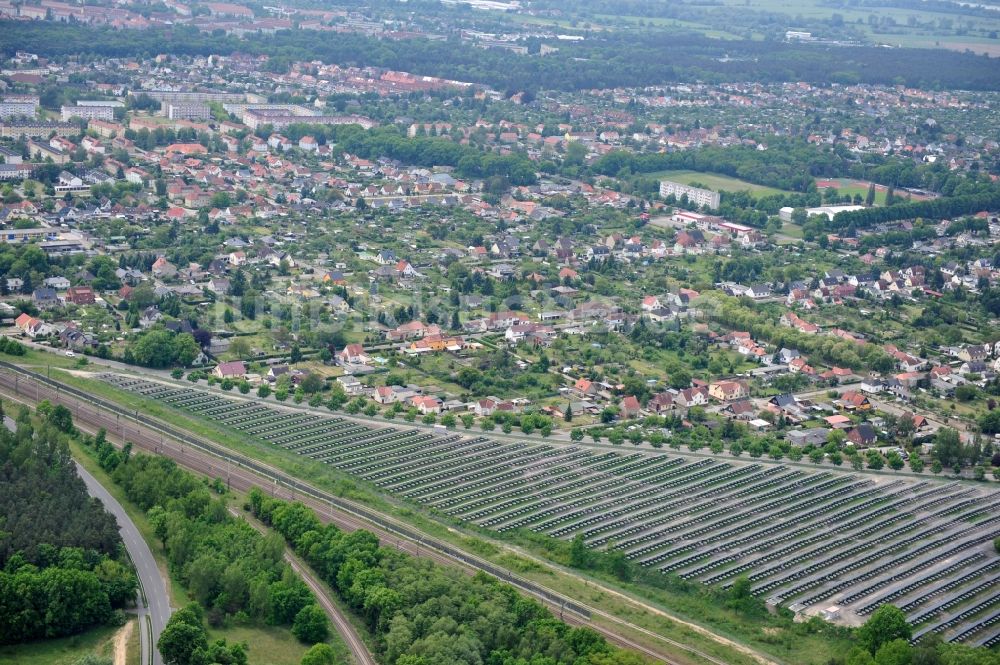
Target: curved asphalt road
[(243, 479), (153, 586)]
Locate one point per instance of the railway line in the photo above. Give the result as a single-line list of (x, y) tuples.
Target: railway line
[(242, 474), (359, 650), (810, 540)]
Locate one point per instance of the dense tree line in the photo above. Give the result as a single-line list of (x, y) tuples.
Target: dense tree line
[(786, 164), (228, 567), (939, 208), (44, 503), (631, 58), (903, 172), (61, 566), (469, 162), (424, 614)]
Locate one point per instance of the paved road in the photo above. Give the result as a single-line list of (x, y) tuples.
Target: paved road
[(153, 585), (242, 479)]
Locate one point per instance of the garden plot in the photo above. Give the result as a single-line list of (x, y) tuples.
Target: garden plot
[(807, 539)]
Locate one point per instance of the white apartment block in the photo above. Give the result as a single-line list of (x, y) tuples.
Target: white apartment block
[(705, 198), (188, 111), (88, 112), (18, 106)]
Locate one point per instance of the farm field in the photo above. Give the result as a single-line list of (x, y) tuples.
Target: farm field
[(929, 31), (716, 182), (806, 539), (978, 45)]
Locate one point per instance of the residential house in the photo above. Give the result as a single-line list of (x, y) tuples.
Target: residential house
[(688, 242), (31, 326), (816, 436), (585, 388), (741, 409), (426, 404), (234, 369), (163, 268), (488, 406), (531, 332), (837, 374), (630, 407), (974, 353), (910, 380), (351, 385), (651, 303), (59, 283), (386, 394), (353, 354), (855, 401), (77, 339), (872, 385), (412, 330), (838, 421), (973, 367), (405, 270), (149, 317), (45, 298), (793, 320), (862, 436), (727, 391), (905, 361), (219, 285), (661, 402), (759, 291), (696, 396), (800, 366), (309, 144), (81, 295), (433, 343)]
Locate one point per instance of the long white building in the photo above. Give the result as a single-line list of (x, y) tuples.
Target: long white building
[(88, 112), (705, 198), (18, 106)]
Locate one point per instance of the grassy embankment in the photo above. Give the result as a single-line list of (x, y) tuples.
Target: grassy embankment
[(527, 554)]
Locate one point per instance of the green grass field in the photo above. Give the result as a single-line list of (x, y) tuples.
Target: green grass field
[(922, 35), (852, 187), (61, 651), (670, 23), (906, 27), (267, 645), (716, 182)]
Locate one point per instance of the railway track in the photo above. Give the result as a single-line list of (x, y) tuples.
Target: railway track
[(362, 656), (242, 474)]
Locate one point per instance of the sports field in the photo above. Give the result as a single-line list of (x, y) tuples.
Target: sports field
[(852, 187)]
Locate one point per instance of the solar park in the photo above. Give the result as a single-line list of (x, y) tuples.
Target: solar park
[(814, 540)]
